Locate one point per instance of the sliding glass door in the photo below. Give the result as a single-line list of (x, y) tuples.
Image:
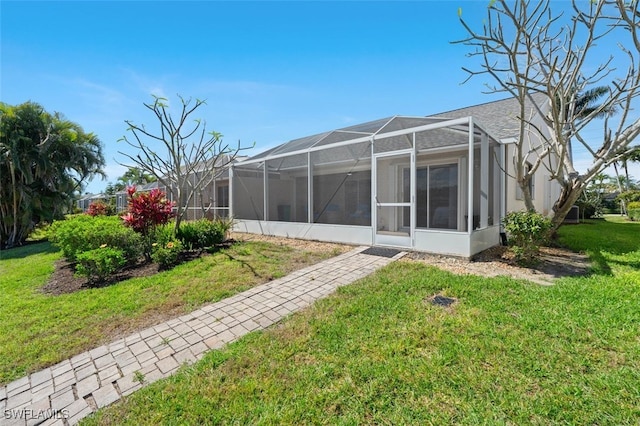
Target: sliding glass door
[(437, 196)]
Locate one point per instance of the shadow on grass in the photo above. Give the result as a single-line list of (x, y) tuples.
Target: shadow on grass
[(243, 264), (600, 263), (612, 237), (601, 239), (27, 250)]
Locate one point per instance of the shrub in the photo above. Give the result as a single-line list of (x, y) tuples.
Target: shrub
[(225, 225), (633, 210), (81, 233), (98, 264), (40, 232), (188, 235), (164, 233), (629, 196), (146, 211), (166, 254), (200, 234), (100, 208), (527, 231)]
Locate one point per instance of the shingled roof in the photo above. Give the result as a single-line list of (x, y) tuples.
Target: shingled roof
[(498, 118)]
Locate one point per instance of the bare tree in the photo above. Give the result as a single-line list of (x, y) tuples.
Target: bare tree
[(528, 50), (182, 155)]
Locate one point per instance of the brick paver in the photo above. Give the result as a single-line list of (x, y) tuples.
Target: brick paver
[(65, 393)]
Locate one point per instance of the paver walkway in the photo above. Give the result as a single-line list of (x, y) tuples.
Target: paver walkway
[(72, 389)]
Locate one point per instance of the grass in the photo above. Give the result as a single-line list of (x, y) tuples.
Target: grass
[(37, 330), (611, 244), (377, 352)]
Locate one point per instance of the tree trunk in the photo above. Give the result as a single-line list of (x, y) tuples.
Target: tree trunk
[(179, 207), (527, 196), (12, 235), (570, 193), (627, 182), (623, 205)]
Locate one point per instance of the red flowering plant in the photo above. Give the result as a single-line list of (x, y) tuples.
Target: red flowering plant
[(146, 211), (99, 208)]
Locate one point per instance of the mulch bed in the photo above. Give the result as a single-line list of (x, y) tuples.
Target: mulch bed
[(554, 263), (64, 281)]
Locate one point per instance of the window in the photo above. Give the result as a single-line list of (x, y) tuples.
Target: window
[(443, 196)]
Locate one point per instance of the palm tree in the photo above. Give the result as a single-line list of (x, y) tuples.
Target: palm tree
[(135, 176), (586, 104), (44, 159)]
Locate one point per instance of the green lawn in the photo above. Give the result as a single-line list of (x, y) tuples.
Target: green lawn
[(37, 330), (377, 352)]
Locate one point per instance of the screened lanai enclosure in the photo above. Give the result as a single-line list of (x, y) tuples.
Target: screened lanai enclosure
[(421, 183)]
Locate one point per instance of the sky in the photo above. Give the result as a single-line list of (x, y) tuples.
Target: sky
[(269, 71)]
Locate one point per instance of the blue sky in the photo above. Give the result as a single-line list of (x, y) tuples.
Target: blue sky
[(269, 71)]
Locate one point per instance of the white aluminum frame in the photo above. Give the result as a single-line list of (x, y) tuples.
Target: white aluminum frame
[(384, 239), (459, 243)]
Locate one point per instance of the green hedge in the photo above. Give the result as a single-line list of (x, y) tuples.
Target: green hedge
[(201, 234), (98, 264), (82, 233), (633, 210)]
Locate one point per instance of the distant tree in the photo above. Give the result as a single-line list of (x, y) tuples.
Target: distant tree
[(592, 197), (587, 103), (631, 156), (110, 189), (184, 157), (44, 160), (135, 176), (526, 49)]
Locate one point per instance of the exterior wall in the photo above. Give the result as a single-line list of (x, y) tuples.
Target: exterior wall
[(484, 238), (358, 235), (545, 191), (443, 242), (457, 243)]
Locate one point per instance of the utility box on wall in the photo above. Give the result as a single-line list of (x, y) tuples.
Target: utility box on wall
[(573, 216)]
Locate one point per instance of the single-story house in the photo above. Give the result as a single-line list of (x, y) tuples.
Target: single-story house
[(212, 200), (86, 200), (438, 184)]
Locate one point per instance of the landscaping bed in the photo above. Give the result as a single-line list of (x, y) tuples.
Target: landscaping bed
[(554, 263)]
